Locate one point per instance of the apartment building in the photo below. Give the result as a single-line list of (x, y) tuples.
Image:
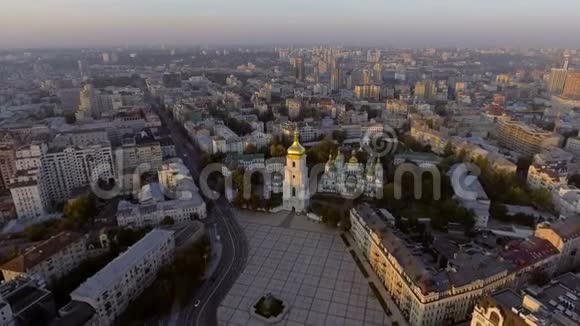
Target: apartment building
[(429, 290), (7, 164), (549, 169), (525, 139), (26, 301), (565, 236), (553, 304), (28, 195), (152, 214), (370, 92), (50, 259), (66, 169), (110, 290), (136, 151)]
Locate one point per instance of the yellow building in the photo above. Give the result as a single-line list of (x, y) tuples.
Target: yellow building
[(525, 139), (565, 236), (372, 92), (429, 290), (425, 89)]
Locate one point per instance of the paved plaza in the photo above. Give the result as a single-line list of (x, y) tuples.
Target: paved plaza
[(311, 271)]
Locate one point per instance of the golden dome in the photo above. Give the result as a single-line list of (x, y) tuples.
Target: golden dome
[(296, 149), (353, 159)]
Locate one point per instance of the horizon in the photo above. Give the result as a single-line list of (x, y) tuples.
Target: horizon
[(391, 23)]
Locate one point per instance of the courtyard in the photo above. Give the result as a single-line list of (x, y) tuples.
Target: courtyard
[(309, 268)]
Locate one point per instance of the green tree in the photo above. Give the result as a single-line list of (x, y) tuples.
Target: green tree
[(80, 210), (339, 136), (167, 220), (35, 232), (448, 150), (277, 150)]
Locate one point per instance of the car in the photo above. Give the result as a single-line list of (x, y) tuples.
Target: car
[(196, 304)]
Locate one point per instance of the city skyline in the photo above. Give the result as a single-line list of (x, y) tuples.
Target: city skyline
[(66, 23)]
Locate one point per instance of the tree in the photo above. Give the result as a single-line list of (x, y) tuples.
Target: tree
[(167, 220), (448, 150), (277, 150), (339, 136), (498, 211), (542, 198), (35, 232), (321, 152), (523, 165), (80, 210)]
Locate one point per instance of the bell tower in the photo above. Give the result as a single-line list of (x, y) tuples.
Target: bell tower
[(296, 193)]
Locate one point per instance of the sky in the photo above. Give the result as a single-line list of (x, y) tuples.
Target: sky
[(399, 23)]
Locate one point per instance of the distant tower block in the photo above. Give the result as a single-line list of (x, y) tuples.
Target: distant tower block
[(566, 60)]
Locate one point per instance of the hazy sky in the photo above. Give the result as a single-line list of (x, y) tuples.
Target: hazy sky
[(40, 23)]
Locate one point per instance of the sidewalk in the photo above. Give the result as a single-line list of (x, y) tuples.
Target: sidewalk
[(396, 313)]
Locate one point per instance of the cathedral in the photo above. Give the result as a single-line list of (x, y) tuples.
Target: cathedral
[(349, 179)]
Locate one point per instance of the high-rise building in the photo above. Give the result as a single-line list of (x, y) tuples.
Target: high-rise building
[(425, 89), (135, 151), (294, 107), (349, 81), (65, 170), (28, 194), (7, 165), (557, 80), (378, 73), (371, 92), (572, 85), (296, 188), (298, 63), (566, 64), (366, 76), (336, 79), (83, 69)]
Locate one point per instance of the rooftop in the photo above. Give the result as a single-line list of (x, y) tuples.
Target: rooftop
[(467, 261), (114, 272), (41, 252)]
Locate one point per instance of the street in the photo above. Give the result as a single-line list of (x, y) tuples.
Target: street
[(234, 252)]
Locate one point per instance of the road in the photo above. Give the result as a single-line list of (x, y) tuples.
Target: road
[(235, 249)]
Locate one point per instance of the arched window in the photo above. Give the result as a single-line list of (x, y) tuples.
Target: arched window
[(293, 192), (293, 164), (494, 318)]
